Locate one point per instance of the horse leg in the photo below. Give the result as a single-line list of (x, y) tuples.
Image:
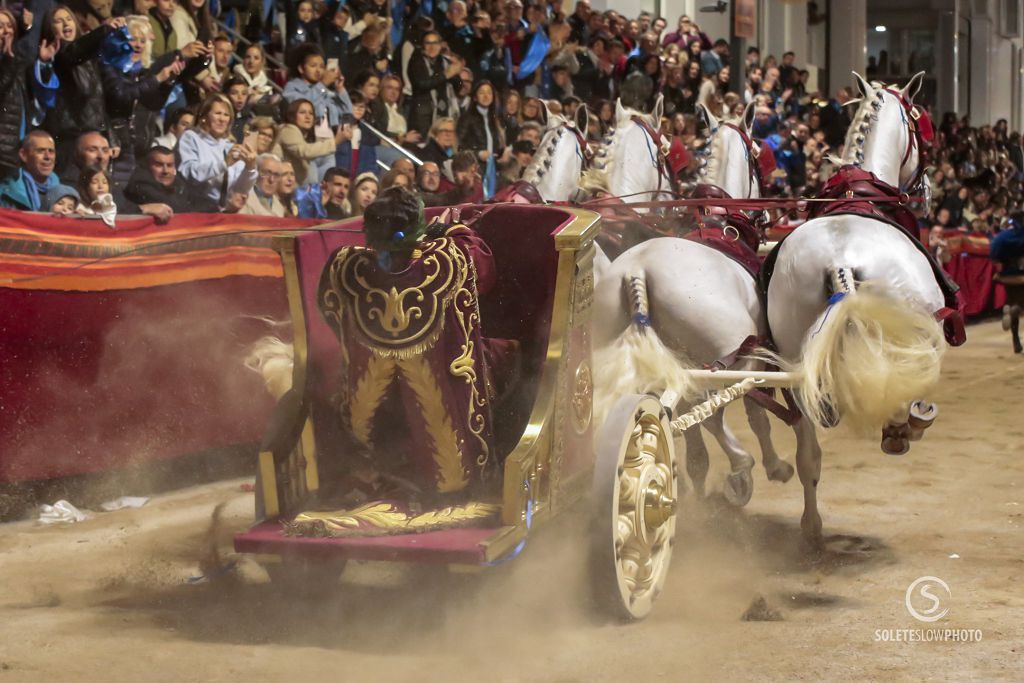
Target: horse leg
[(696, 459), (1015, 328), (739, 485), (808, 466), (775, 467)]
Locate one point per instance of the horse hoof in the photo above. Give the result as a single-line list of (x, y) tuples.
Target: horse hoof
[(782, 472), (895, 446), (739, 487)]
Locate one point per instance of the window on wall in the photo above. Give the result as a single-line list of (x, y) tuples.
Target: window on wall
[(963, 67), (1010, 17)]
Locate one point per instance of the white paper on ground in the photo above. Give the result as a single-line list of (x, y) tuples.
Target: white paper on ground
[(61, 512), (124, 502)]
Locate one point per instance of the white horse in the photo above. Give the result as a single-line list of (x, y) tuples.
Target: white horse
[(669, 305), (851, 301), (561, 156), (632, 163)]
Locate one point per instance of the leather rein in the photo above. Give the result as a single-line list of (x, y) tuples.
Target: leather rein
[(664, 169)]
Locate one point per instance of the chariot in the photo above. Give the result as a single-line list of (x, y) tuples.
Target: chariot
[(554, 457)]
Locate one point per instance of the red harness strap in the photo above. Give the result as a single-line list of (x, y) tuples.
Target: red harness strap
[(664, 170), (763, 397)]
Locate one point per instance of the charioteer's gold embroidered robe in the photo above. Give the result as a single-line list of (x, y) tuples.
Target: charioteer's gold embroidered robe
[(417, 386)]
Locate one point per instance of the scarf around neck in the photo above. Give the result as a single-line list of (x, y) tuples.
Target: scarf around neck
[(36, 190)]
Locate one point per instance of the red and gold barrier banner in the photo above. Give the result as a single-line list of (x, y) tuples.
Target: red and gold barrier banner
[(41, 251)]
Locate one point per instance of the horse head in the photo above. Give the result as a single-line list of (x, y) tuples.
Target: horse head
[(561, 156), (731, 154), (632, 163), (889, 132)]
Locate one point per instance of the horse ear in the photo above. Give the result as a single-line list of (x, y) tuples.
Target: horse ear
[(659, 109), (748, 117), (582, 118), (866, 91), (621, 115), (545, 113), (913, 87), (706, 118)]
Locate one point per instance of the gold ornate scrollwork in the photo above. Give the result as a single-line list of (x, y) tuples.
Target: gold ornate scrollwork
[(583, 397)]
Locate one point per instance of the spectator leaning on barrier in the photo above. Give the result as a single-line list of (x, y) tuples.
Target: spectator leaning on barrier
[(156, 181)]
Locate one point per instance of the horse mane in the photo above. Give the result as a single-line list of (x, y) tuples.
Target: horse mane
[(856, 135), (595, 178), (541, 162), (713, 152)]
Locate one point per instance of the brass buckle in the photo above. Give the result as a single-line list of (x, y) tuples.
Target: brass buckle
[(915, 112)]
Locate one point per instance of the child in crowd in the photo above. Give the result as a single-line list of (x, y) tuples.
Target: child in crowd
[(237, 91), (313, 81), (62, 200)]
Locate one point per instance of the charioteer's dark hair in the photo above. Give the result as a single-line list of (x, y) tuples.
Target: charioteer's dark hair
[(394, 220)]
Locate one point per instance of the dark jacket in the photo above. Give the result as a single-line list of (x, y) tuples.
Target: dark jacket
[(428, 79), (359, 59), (333, 40), (431, 151), (13, 74), (472, 131), (130, 97), (144, 189), (81, 102)]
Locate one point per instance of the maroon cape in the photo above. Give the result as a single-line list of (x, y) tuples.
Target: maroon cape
[(417, 386)]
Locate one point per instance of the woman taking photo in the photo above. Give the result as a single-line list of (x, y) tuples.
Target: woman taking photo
[(134, 95), (479, 130), (297, 142), (212, 164), (435, 80)]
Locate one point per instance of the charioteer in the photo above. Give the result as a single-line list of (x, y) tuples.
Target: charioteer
[(420, 378)]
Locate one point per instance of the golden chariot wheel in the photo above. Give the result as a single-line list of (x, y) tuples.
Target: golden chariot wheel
[(634, 508)]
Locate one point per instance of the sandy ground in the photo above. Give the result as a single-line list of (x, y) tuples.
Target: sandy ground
[(108, 599)]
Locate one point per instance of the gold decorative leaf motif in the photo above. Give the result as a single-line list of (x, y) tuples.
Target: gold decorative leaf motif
[(451, 475), (368, 394), (382, 518)]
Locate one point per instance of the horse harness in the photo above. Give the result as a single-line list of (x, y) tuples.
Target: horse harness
[(664, 169), (753, 165), (919, 123)]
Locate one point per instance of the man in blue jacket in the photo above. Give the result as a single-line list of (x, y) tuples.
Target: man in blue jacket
[(1008, 250), (27, 189)]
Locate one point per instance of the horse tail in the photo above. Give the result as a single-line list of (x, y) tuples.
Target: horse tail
[(273, 360), (869, 354), (638, 361)]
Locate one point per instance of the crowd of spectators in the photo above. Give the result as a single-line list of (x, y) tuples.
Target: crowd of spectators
[(148, 106)]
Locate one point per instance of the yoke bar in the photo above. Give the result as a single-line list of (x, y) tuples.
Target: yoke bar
[(727, 377)]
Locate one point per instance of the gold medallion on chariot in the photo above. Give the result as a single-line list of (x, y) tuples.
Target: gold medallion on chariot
[(583, 397)]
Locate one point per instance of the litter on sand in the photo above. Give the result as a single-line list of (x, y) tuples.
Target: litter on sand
[(61, 512), (124, 502)]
